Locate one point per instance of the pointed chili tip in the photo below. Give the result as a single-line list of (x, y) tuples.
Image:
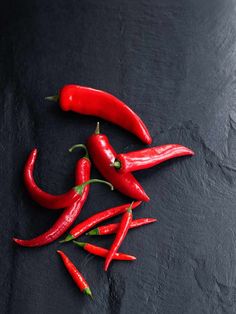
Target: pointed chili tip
[(152, 220), (93, 232), (54, 98), (88, 292), (97, 130), (18, 241), (106, 267), (68, 238), (80, 244), (59, 252)]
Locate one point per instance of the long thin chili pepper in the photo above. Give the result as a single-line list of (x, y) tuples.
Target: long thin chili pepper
[(103, 154), (99, 251), (149, 157), (89, 223), (113, 228), (89, 101), (120, 235), (48, 200), (75, 274), (68, 216)]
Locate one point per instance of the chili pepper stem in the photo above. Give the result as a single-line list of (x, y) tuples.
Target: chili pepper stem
[(97, 130), (129, 209), (79, 188), (80, 146), (88, 292), (80, 244), (54, 98), (68, 238), (93, 232), (116, 164)]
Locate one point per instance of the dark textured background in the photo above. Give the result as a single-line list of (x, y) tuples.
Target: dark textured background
[(174, 62)]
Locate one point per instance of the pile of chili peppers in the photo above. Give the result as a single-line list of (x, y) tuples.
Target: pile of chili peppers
[(116, 168)]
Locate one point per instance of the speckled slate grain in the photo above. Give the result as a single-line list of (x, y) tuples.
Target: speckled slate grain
[(174, 62)]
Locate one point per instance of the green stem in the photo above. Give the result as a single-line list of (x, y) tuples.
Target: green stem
[(79, 188), (116, 164), (129, 209), (97, 130), (68, 238), (80, 146), (54, 98), (80, 244), (93, 232), (88, 292)]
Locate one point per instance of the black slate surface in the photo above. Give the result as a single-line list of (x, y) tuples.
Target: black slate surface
[(174, 63)]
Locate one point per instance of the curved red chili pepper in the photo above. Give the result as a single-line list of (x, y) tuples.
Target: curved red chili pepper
[(149, 157), (75, 274), (113, 228), (89, 101), (120, 235), (48, 200), (99, 251), (103, 155), (89, 223), (68, 216)]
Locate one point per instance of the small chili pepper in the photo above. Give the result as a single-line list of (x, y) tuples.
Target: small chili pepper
[(48, 200), (149, 157), (75, 274), (89, 101), (89, 223), (68, 216), (113, 228), (99, 251), (120, 235), (103, 154)]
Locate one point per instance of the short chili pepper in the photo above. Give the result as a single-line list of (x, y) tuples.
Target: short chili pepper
[(89, 101), (49, 200), (68, 216), (89, 223), (75, 274), (113, 228), (99, 251), (103, 155), (120, 236), (149, 157)]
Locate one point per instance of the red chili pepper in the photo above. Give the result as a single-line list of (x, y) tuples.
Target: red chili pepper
[(120, 235), (103, 154), (89, 101), (113, 228), (48, 200), (75, 274), (149, 157), (68, 216), (99, 251), (89, 223)]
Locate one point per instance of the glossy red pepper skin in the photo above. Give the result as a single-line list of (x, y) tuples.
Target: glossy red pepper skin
[(89, 101), (120, 236), (99, 251), (113, 228), (103, 155), (150, 157), (89, 223), (69, 215), (43, 198), (75, 274)]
